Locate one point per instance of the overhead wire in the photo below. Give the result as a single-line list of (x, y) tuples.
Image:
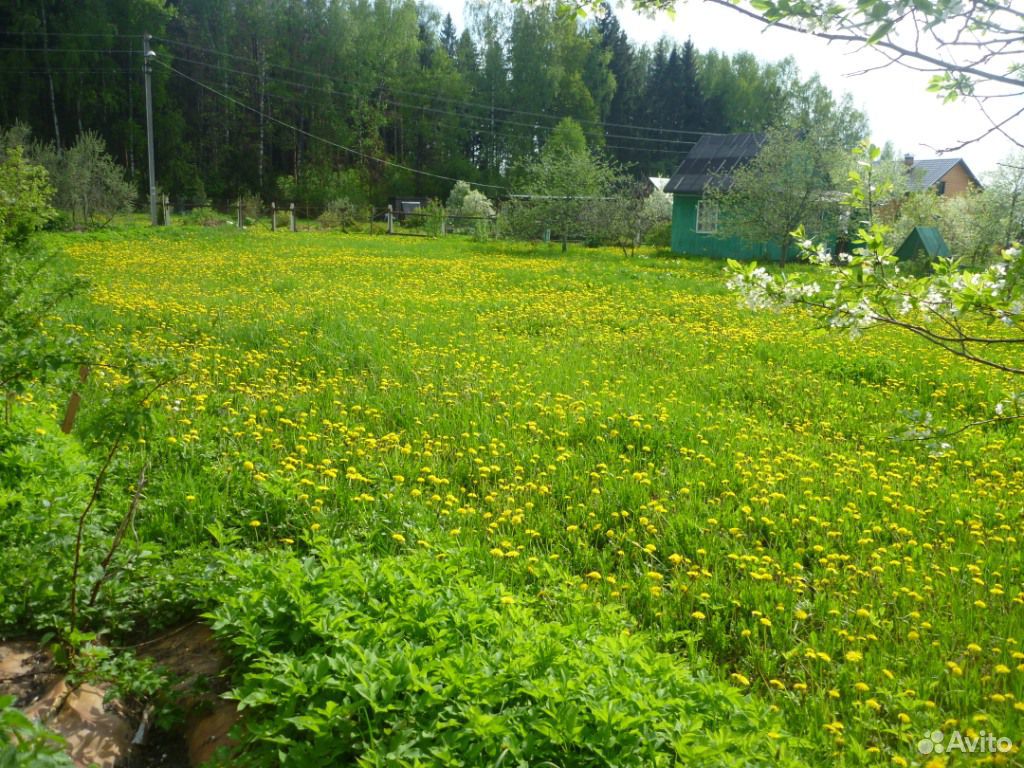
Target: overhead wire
[(542, 115), (68, 50), (40, 33), (333, 92), (315, 137), (604, 125)]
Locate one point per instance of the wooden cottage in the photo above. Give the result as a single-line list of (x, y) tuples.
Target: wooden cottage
[(695, 219)]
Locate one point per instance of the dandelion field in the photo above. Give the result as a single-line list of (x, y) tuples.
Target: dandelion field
[(618, 428)]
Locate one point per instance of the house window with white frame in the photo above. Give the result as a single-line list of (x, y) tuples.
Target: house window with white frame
[(707, 217)]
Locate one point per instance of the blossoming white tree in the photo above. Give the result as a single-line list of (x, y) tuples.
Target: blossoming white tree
[(975, 315)]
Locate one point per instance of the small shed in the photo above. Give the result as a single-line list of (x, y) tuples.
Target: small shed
[(404, 206), (921, 243)]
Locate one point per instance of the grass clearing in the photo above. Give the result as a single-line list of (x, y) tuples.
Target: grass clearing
[(616, 428)]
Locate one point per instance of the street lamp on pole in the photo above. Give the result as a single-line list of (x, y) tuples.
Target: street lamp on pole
[(148, 55)]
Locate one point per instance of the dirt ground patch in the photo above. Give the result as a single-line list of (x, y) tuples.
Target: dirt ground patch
[(105, 733)]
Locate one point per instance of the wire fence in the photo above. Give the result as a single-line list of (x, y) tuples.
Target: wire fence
[(508, 223), (250, 213)]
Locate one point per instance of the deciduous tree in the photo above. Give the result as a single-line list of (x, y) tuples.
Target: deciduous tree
[(789, 182)]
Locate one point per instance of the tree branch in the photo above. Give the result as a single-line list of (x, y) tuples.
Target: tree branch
[(849, 37)]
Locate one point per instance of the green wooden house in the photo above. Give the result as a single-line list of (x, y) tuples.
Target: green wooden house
[(694, 219)]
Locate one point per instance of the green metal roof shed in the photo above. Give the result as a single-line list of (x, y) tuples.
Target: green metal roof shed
[(923, 242)]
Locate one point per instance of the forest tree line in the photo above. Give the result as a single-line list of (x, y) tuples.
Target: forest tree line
[(304, 99)]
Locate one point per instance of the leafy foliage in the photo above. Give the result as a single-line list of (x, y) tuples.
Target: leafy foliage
[(44, 481), (413, 660), (974, 315), (90, 185), (23, 742), (359, 81), (29, 289), (790, 181), (627, 216), (561, 186), (341, 213)]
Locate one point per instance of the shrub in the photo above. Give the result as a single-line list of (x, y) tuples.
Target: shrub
[(25, 742), (318, 186), (433, 217), (203, 217), (90, 185), (252, 208), (457, 196), (341, 214), (468, 210), (413, 660), (29, 289), (660, 235), (282, 218), (44, 484)]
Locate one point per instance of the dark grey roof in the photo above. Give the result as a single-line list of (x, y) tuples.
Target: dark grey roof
[(926, 173), (714, 153)]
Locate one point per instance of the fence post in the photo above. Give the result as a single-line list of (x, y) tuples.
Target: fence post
[(444, 226), (291, 217), (241, 222), (71, 412), (391, 221), (166, 205), (273, 217)]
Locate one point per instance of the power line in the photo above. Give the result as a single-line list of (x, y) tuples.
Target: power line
[(66, 70), (315, 137), (40, 33), (481, 105), (459, 125), (333, 92), (67, 50), (453, 118)]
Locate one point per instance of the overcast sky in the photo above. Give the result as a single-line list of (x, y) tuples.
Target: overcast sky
[(895, 99)]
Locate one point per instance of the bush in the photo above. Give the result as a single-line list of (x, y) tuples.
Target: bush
[(413, 660), (203, 217), (25, 742), (252, 208), (90, 185), (29, 290), (468, 210), (341, 214), (432, 218), (318, 186), (282, 218), (660, 235), (44, 484), (457, 196)]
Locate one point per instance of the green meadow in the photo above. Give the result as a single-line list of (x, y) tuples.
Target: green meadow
[(458, 503)]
